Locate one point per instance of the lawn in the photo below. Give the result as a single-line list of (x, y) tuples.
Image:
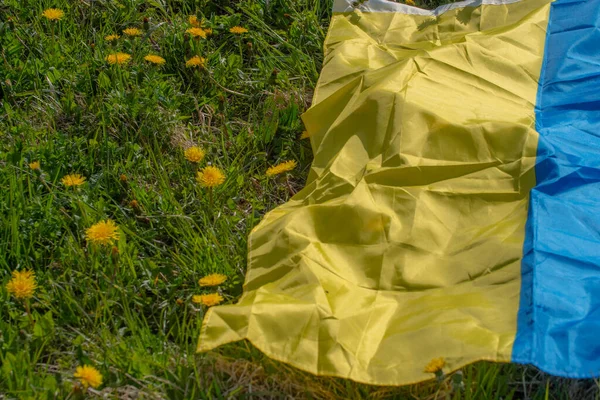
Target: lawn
[(95, 135)]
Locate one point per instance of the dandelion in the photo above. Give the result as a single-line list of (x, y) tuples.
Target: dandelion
[(197, 32), (210, 177), (208, 31), (22, 284), (281, 168), (53, 14), (73, 180), (118, 58), (103, 232), (194, 154), (134, 204), (435, 366), (305, 135), (88, 376), (111, 38), (193, 20), (123, 178), (212, 280), (132, 32), (34, 165), (208, 300), (158, 60), (195, 61), (238, 30), (410, 2)]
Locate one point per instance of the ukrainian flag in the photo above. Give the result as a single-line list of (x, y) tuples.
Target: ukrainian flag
[(452, 208)]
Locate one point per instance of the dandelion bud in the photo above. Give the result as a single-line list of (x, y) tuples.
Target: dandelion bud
[(146, 23), (273, 77)]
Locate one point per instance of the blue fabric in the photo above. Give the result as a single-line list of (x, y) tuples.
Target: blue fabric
[(558, 326)]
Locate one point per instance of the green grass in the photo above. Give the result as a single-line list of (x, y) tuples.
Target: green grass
[(127, 310)]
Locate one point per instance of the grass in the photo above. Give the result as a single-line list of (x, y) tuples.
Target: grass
[(127, 309)]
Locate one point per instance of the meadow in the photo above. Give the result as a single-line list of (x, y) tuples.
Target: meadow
[(137, 146)]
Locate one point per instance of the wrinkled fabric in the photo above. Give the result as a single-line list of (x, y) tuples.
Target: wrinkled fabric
[(559, 315), (408, 241)]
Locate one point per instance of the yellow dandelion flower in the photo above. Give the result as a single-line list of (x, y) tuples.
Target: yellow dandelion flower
[(195, 61), (118, 58), (281, 168), (208, 31), (34, 165), (103, 232), (410, 2), (110, 38), (158, 60), (194, 154), (197, 32), (132, 32), (53, 14), (208, 300), (305, 135), (435, 365), (238, 30), (22, 284), (212, 280), (88, 376), (210, 177), (193, 20), (73, 180)]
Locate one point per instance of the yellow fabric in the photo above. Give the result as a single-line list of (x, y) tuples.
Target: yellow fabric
[(405, 245)]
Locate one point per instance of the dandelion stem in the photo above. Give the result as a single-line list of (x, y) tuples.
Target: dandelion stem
[(28, 312), (115, 271), (52, 34), (41, 178), (289, 186)]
